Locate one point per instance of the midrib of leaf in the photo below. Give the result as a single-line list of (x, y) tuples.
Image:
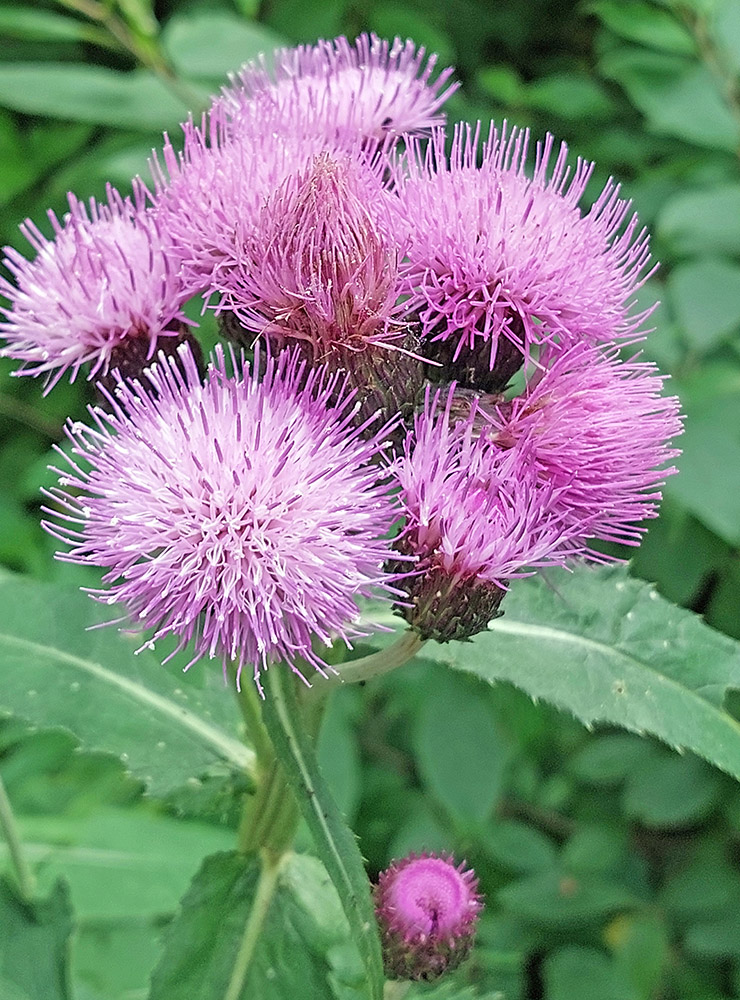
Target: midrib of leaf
[(229, 749), (526, 630)]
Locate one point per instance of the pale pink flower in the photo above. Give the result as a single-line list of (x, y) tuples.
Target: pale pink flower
[(244, 515), (104, 279)]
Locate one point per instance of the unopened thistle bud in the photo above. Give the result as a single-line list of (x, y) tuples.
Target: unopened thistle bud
[(427, 908)]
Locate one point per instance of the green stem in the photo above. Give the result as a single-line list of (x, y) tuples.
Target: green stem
[(271, 814), (249, 706), (23, 873), (253, 928), (365, 668)]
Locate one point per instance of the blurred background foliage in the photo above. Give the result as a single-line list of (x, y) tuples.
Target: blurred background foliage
[(610, 864)]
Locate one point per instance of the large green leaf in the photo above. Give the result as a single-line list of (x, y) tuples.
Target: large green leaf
[(34, 944), (75, 92), (57, 673), (303, 930), (118, 863), (334, 841), (609, 649)]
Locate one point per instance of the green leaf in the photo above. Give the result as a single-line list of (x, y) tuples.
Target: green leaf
[(34, 944), (75, 92), (725, 28), (460, 751), (608, 648), (57, 673), (211, 44), (642, 22), (669, 791), (708, 483), (576, 973), (118, 863), (608, 760), (559, 899), (704, 221), (518, 847), (334, 841), (678, 96), (705, 295), (293, 957), (28, 24)]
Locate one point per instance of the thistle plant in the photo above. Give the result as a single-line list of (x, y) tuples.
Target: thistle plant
[(431, 389)]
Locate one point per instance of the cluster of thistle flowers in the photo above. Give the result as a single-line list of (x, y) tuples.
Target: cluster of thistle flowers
[(387, 289)]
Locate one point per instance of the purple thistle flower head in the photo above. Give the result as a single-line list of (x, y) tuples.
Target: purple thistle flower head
[(476, 516), (427, 908), (499, 261), (245, 515), (104, 280), (209, 195), (369, 89), (599, 430), (317, 266)]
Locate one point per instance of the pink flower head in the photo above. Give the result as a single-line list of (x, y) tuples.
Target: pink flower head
[(427, 908), (317, 266), (476, 516), (368, 89), (103, 279), (599, 430), (245, 515), (496, 257)]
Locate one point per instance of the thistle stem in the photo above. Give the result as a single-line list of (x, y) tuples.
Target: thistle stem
[(24, 875), (365, 668)]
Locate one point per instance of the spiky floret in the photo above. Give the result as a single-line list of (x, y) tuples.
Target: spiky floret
[(369, 89), (427, 909), (245, 515), (210, 196), (476, 516), (103, 279), (599, 430), (494, 254), (317, 266)]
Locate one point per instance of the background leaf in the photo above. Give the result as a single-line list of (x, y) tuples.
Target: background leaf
[(57, 673), (34, 944), (609, 649), (136, 100)]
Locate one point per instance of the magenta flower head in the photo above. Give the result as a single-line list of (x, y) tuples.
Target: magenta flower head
[(476, 516), (245, 515), (427, 909), (498, 261), (102, 287), (317, 266), (368, 89), (319, 270), (208, 196), (599, 429)]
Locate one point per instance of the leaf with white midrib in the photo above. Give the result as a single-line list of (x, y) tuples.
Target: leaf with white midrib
[(609, 649), (55, 671)]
